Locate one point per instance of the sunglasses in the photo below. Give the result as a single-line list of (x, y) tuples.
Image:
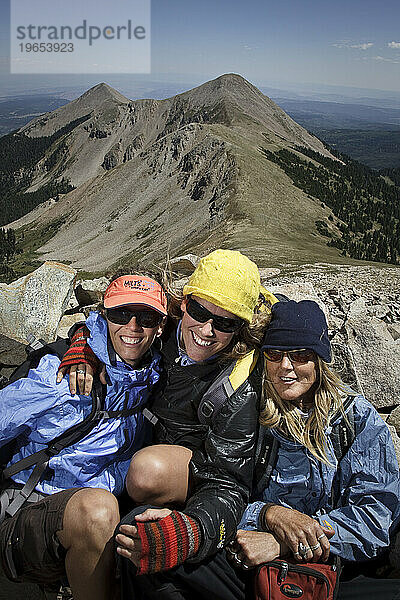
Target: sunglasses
[(144, 318), (199, 313), (295, 356)]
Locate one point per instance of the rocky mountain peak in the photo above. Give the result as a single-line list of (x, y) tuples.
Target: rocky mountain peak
[(226, 87), (100, 93), (92, 100)]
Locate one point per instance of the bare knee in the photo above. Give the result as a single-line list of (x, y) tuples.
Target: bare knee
[(146, 475), (90, 518), (159, 475)]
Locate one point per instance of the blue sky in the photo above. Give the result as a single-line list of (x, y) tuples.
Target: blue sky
[(322, 42)]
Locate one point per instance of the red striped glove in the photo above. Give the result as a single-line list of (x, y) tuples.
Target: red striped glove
[(80, 351), (168, 542)]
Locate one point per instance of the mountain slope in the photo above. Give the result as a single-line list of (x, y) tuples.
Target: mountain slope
[(185, 173)]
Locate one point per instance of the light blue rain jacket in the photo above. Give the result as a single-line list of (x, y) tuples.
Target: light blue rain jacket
[(358, 498), (35, 410)]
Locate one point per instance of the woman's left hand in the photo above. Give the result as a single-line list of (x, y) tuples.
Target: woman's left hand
[(251, 548), (305, 537), (128, 541)]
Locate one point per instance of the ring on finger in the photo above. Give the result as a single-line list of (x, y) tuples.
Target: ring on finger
[(315, 547), (81, 371), (321, 536), (303, 550), (245, 567)]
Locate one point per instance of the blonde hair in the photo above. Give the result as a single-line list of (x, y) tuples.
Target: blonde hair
[(310, 432)]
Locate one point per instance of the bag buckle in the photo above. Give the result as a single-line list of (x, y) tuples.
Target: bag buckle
[(207, 408), (283, 572)]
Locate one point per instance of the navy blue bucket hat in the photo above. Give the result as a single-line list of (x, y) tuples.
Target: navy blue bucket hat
[(296, 325)]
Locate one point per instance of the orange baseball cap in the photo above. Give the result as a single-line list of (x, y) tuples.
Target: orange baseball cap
[(136, 289)]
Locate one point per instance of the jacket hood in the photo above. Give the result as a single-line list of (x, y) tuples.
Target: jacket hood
[(120, 371)]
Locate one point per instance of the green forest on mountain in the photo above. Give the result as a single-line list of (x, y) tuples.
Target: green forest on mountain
[(19, 155), (365, 204)]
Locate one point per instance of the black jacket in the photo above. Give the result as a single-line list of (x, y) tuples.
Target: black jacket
[(223, 452)]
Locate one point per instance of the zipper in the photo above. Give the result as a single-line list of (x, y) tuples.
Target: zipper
[(285, 568)]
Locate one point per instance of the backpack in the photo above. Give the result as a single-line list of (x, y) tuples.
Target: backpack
[(220, 390), (12, 499)]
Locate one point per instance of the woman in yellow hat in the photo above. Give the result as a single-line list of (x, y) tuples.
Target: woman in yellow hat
[(204, 457)]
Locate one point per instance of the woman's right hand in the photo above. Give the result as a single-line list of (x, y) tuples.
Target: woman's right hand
[(251, 548), (295, 528)]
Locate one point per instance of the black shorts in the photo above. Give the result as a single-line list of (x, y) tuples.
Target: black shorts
[(29, 547)]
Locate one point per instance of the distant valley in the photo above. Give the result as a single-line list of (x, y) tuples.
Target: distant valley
[(17, 111), (369, 134)]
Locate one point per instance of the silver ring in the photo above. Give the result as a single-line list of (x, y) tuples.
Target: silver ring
[(81, 371), (245, 567), (303, 550), (321, 536), (315, 547), (297, 554)]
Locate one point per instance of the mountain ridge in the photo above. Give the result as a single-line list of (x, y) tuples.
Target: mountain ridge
[(169, 176)]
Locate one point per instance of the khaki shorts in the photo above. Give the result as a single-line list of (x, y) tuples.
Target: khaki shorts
[(29, 548)]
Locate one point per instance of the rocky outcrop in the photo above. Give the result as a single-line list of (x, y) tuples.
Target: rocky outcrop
[(90, 291), (184, 265), (34, 304), (112, 158)]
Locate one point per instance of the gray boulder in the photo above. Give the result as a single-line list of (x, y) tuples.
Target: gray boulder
[(34, 304), (90, 291), (376, 355), (184, 265)]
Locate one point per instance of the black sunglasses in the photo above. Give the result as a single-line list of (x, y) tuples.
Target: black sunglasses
[(199, 313), (144, 318), (295, 356)]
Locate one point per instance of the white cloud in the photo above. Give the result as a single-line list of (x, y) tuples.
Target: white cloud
[(348, 44), (394, 45), (364, 46), (383, 59)]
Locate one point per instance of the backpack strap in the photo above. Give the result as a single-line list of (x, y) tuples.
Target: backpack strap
[(266, 455), (41, 458), (224, 386), (343, 433)]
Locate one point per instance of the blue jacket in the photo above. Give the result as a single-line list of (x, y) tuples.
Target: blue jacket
[(358, 498), (35, 410)]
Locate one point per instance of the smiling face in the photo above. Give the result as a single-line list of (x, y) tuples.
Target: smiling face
[(293, 382), (131, 341), (202, 340)]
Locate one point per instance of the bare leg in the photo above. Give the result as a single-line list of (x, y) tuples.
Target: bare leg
[(90, 518), (159, 475)]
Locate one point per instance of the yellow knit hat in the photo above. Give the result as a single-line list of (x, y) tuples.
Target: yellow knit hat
[(229, 280)]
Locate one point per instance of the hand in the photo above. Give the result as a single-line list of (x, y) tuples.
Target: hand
[(82, 373), (129, 543), (251, 548), (294, 528)]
